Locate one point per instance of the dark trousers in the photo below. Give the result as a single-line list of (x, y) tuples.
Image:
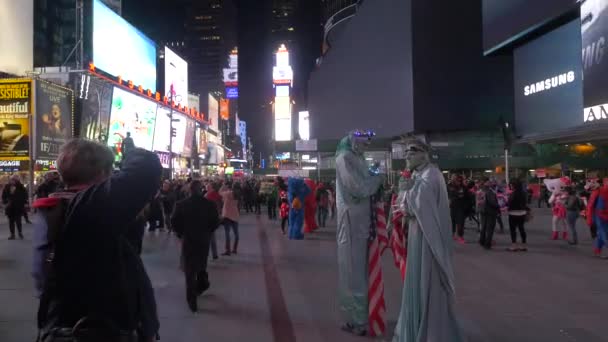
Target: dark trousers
[(458, 219), (542, 200), (15, 220), (272, 209), (258, 207), (500, 224), (284, 221), (517, 223), (322, 216), (488, 223)]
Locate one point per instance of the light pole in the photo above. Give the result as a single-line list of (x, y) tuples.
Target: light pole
[(172, 97)]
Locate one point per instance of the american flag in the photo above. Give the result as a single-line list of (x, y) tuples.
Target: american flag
[(398, 242), (377, 245)]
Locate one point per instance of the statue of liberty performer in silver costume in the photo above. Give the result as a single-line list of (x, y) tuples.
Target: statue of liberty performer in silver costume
[(427, 306), (355, 185)]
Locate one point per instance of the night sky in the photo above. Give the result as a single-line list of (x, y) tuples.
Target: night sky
[(164, 20)]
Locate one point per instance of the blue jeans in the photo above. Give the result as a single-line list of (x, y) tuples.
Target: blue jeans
[(571, 218), (229, 224)]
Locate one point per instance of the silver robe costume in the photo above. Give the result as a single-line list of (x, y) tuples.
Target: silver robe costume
[(427, 307), (354, 187)]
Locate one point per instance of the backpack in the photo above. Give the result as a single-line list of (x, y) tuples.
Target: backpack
[(87, 329)]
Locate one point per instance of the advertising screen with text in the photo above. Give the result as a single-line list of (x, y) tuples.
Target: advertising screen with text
[(548, 82)]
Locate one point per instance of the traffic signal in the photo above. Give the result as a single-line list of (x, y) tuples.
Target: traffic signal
[(173, 132)]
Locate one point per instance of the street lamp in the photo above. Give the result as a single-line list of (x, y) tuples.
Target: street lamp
[(172, 133)]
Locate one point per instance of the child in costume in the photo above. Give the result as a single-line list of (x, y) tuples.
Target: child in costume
[(284, 214), (558, 198)]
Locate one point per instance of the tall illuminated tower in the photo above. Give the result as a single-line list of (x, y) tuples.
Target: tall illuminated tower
[(282, 79)]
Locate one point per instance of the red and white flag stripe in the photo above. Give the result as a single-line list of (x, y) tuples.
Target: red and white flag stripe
[(377, 305)]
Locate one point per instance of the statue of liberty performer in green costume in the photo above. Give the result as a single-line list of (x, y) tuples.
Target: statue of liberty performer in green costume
[(355, 185), (427, 307)]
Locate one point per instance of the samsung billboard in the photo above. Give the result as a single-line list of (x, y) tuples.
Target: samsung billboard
[(549, 82), (120, 49), (594, 31)]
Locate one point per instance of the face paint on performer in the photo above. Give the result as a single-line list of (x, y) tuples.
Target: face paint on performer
[(416, 157)]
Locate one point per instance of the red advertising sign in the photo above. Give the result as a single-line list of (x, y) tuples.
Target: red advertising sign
[(541, 173)]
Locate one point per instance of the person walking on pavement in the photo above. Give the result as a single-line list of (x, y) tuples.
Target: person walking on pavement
[(214, 197), (194, 221), (574, 206), (322, 198), (167, 199), (272, 201), (490, 211), (457, 195), (518, 210), (230, 218), (14, 197)]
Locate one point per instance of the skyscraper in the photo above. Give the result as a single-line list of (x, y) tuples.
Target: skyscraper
[(55, 31), (210, 35)]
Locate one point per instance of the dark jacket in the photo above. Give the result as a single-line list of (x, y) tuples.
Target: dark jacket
[(518, 201), (193, 220), (97, 271), (491, 206), (47, 188), (14, 201)]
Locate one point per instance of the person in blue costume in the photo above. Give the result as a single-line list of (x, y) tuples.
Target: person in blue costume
[(355, 185), (297, 190), (427, 307)]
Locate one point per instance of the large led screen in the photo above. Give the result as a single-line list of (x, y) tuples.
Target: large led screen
[(189, 137), (504, 21), (122, 50), (548, 82), (594, 29), (214, 109), (163, 131), (176, 77), (131, 114)]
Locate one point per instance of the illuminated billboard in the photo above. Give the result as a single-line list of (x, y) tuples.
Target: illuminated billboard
[(282, 107), (176, 77), (232, 92), (282, 90), (131, 114), (122, 50), (304, 125), (162, 132), (594, 30), (282, 75), (16, 36), (15, 111), (282, 118), (214, 109)]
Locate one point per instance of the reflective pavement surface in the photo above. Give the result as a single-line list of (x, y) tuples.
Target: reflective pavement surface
[(276, 290)]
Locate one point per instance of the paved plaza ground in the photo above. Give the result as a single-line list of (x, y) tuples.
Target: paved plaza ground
[(276, 290)]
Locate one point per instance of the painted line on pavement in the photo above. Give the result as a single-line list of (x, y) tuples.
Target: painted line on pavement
[(282, 326)]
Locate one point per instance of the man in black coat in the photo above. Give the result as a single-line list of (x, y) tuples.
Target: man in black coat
[(194, 220), (14, 197), (96, 272)]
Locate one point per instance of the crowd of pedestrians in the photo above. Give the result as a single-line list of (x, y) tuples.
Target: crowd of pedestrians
[(89, 230), (485, 202)]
